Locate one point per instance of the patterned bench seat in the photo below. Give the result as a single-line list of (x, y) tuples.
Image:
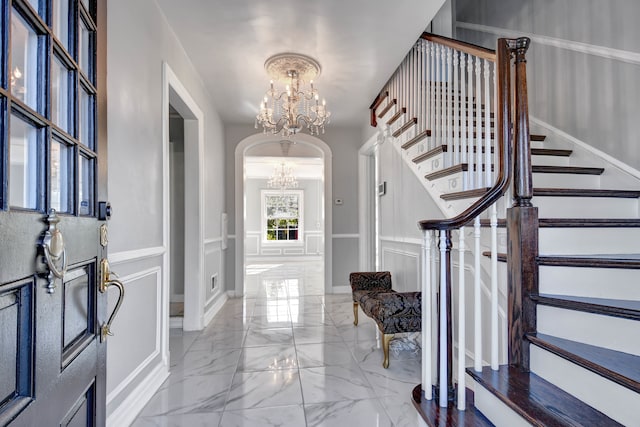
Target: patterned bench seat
[(394, 312)]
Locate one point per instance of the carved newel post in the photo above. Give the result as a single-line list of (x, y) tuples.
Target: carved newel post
[(522, 221)]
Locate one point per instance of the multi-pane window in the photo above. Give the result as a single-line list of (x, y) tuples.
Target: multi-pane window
[(282, 216), (48, 155)]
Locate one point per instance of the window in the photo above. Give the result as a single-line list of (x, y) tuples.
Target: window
[(48, 155), (282, 216)]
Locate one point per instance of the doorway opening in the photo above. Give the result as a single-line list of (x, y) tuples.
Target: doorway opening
[(176, 218), (278, 224), (183, 213)]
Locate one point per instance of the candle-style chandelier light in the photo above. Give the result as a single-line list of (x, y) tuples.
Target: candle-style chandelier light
[(297, 106), (283, 177)]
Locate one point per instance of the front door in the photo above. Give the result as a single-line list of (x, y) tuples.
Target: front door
[(53, 176)]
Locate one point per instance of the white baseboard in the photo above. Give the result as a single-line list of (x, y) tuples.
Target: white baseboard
[(126, 413), (176, 322), (341, 290), (215, 307)]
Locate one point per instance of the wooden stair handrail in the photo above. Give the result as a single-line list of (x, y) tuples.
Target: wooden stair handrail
[(504, 51)]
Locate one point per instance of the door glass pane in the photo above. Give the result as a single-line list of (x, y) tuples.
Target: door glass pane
[(23, 164), (35, 4), (61, 21), (60, 82), (86, 119), (61, 174), (85, 49), (24, 66), (9, 349), (85, 196)]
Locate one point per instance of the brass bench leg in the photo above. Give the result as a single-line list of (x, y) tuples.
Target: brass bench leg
[(355, 313), (386, 338)]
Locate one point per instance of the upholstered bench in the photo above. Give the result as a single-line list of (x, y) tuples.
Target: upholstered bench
[(394, 312)]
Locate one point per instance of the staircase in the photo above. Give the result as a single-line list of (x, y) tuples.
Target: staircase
[(571, 263)]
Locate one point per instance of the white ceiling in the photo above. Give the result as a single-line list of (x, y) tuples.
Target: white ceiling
[(358, 43)]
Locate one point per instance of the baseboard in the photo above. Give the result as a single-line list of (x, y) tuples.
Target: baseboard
[(133, 404), (215, 307), (341, 290), (176, 322)]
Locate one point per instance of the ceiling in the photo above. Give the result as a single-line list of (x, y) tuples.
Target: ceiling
[(359, 43)]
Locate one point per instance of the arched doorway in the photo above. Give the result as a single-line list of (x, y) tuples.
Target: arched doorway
[(250, 144)]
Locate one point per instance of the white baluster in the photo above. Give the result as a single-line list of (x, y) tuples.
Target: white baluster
[(432, 98), (477, 295), (487, 125), (469, 102), (478, 127), (427, 386), (438, 65), (493, 212), (462, 339), (463, 117), (443, 322), (446, 125), (456, 108)]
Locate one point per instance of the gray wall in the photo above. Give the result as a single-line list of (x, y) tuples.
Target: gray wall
[(405, 202), (344, 143), (139, 41), (592, 97)]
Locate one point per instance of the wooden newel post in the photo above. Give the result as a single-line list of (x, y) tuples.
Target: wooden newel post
[(522, 180), (522, 222), (445, 324)]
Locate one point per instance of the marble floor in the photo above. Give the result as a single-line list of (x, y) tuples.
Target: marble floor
[(286, 355)]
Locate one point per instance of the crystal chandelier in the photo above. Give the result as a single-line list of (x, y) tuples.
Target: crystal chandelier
[(283, 178), (290, 110)]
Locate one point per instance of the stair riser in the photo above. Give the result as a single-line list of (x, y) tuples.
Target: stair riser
[(559, 241), (565, 180), (495, 410), (550, 160), (610, 283), (608, 397), (432, 164), (388, 115), (585, 207), (595, 329)]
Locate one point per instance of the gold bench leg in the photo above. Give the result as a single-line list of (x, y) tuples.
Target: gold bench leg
[(386, 338), (355, 313)]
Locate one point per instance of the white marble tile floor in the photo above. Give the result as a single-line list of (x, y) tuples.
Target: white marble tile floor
[(285, 355)]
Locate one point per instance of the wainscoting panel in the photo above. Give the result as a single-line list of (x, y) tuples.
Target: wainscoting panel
[(136, 329)]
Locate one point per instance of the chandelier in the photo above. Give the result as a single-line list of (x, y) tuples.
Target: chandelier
[(297, 106), (283, 177)]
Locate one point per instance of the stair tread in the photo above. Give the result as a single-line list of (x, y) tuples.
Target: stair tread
[(580, 170), (537, 400), (612, 307), (585, 192), (466, 194), (551, 152), (435, 416), (622, 261), (576, 222), (622, 368), (413, 141)]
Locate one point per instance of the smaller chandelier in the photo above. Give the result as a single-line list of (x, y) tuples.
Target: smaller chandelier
[(283, 177), (297, 106)]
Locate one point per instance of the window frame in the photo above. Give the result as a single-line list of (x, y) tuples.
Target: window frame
[(263, 217), (51, 49)]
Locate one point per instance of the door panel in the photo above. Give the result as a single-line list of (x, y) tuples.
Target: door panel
[(52, 360)]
